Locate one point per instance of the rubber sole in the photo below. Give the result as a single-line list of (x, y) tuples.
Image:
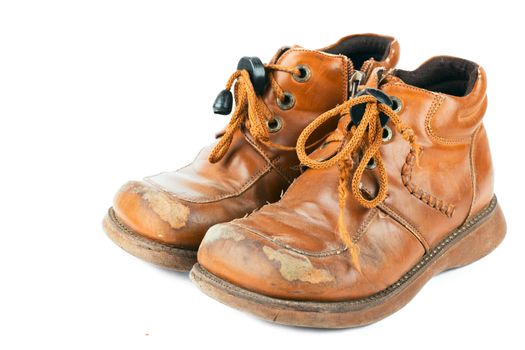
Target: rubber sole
[(146, 249), (468, 243)]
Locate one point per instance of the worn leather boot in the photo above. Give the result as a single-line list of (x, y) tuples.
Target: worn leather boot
[(402, 191), (163, 218)]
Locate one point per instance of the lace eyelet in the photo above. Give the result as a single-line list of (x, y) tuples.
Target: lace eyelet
[(287, 103), (275, 124), (398, 104), (305, 73), (387, 133), (371, 164)]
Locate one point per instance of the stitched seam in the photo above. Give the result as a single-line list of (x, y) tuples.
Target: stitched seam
[(402, 221), (288, 247), (438, 99), (345, 78), (432, 201), (363, 228), (436, 103), (406, 224), (240, 191), (473, 170), (195, 199), (266, 157), (428, 255), (318, 53), (281, 171), (410, 87)]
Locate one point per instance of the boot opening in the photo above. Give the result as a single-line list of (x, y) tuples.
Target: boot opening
[(443, 74), (360, 48)]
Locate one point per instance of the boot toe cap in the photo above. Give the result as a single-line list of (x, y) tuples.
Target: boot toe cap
[(255, 263), (153, 213)]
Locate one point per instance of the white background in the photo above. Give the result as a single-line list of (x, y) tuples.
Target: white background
[(94, 93)]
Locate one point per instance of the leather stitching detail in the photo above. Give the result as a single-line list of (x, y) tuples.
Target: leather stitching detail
[(363, 228), (472, 163), (321, 254), (405, 223), (360, 232), (402, 221), (273, 164), (266, 169), (436, 103), (345, 77), (432, 201)]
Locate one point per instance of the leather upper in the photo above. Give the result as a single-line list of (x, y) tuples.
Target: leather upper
[(178, 207), (291, 249)]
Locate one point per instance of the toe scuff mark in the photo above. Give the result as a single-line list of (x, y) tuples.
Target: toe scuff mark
[(168, 209), (222, 232), (295, 267)]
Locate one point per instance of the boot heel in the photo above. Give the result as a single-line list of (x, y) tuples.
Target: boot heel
[(479, 242)]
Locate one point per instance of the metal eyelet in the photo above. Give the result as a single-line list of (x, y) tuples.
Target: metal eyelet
[(287, 103), (371, 164), (305, 73), (398, 104), (387, 133), (275, 124)]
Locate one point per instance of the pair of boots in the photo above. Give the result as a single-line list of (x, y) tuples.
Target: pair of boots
[(339, 187)]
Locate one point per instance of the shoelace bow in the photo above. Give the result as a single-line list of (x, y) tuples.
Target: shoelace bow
[(367, 136), (250, 107)]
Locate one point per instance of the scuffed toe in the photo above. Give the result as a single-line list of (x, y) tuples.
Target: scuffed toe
[(155, 214), (252, 262)]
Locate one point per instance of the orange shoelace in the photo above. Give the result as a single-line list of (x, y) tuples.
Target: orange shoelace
[(251, 110), (368, 137)]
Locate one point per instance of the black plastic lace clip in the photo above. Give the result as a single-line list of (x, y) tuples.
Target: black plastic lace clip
[(357, 111), (257, 72)]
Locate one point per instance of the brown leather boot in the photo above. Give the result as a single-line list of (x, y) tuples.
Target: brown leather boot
[(402, 191), (163, 218)]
